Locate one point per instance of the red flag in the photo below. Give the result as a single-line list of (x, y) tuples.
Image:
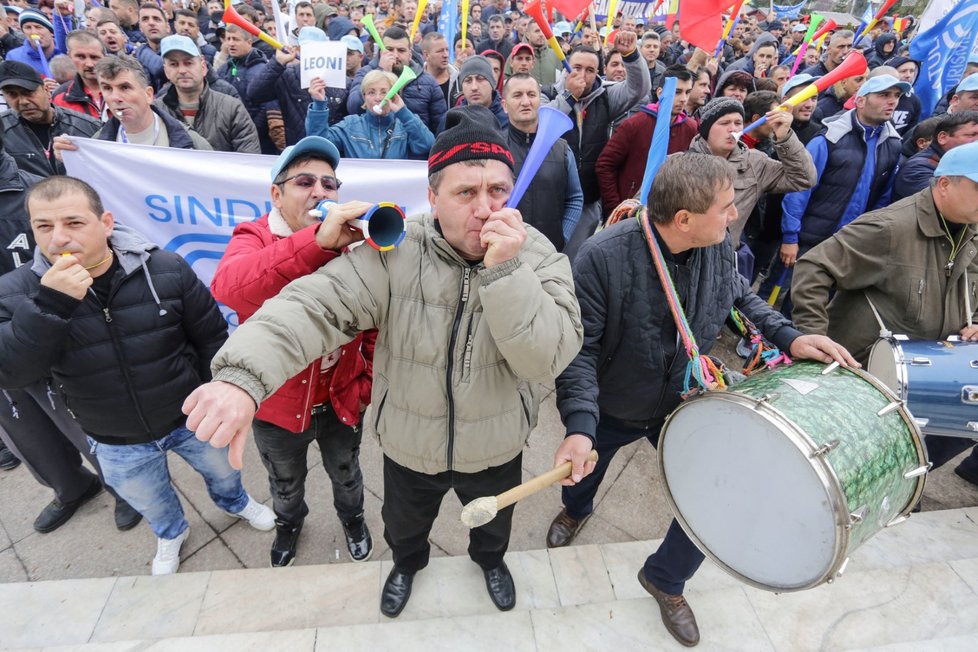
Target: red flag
[(701, 21), (569, 8)]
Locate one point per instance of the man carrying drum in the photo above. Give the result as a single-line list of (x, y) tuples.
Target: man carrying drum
[(915, 263), (631, 370)]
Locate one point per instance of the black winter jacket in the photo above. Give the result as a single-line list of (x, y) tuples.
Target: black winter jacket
[(630, 366), (22, 143), (275, 82), (126, 367), (16, 238)]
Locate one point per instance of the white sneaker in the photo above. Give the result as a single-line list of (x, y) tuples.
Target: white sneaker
[(167, 559), (258, 516)]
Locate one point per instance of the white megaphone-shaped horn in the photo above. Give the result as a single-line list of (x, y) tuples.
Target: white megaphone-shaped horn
[(383, 226)]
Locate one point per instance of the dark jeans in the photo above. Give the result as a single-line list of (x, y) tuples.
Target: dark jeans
[(284, 455), (36, 426), (677, 558), (412, 499)]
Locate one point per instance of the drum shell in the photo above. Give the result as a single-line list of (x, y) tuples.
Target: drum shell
[(934, 378), (862, 473)]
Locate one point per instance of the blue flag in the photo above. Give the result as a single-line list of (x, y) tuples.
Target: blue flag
[(789, 11), (868, 14), (944, 50), (448, 26)]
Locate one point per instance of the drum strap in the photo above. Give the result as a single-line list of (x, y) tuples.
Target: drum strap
[(967, 298), (884, 331), (700, 367)]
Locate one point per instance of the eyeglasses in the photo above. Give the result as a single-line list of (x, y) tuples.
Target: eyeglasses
[(307, 181)]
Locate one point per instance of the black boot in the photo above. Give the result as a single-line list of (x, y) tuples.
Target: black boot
[(358, 540), (286, 538), (8, 460), (126, 518), (397, 590), (57, 513)]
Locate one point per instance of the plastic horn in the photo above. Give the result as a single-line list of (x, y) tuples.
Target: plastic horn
[(422, 5), (368, 22), (854, 64), (552, 125), (45, 67), (776, 291), (823, 30), (535, 10), (879, 14), (383, 226), (232, 17), (612, 12), (465, 21), (407, 76), (812, 26)]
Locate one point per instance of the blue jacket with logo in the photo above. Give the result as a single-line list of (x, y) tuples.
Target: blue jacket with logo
[(364, 136)]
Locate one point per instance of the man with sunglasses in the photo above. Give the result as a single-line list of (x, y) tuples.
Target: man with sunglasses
[(324, 402), (475, 314)]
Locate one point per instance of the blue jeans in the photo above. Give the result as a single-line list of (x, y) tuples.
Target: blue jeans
[(139, 473)]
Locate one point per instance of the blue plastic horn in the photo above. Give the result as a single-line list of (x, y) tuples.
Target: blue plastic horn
[(552, 125)]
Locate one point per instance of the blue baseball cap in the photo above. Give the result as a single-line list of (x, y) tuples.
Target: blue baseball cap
[(972, 59), (969, 83), (882, 83), (177, 43), (801, 79), (352, 43), (310, 34), (960, 161), (308, 145)]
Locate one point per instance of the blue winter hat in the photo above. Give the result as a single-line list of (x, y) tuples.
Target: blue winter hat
[(308, 145), (960, 161), (34, 16)]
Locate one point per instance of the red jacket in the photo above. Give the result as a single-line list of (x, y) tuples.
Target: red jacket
[(72, 95), (621, 165), (256, 265)]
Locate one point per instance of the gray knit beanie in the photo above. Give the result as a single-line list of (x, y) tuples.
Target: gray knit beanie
[(716, 109)]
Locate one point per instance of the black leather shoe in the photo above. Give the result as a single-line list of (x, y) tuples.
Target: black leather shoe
[(283, 548), (966, 470), (563, 529), (502, 591), (58, 513), (126, 518), (359, 543), (8, 461), (677, 615), (397, 590)]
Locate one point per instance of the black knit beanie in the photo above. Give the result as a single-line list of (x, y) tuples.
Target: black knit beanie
[(469, 134), (716, 109)]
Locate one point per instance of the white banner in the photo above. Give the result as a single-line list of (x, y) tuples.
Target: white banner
[(189, 201), (324, 59)]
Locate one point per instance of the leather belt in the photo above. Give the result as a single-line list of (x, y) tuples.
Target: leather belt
[(322, 408)]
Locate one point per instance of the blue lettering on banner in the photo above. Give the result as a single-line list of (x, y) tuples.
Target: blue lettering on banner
[(318, 63), (217, 211)]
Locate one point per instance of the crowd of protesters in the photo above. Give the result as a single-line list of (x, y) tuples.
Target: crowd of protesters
[(181, 74)]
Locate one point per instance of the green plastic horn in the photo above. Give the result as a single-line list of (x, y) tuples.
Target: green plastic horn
[(407, 76), (368, 22)]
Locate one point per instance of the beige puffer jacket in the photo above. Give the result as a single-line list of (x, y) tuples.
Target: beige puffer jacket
[(461, 351)]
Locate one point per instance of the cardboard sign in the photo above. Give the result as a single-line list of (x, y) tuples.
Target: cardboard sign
[(326, 60)]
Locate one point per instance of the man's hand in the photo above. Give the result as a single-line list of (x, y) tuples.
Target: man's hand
[(64, 7), (334, 233), (68, 276), (822, 349), (575, 84), (789, 253), (970, 333), (780, 123), (221, 413), (285, 58), (503, 234), (387, 61), (317, 88), (625, 42), (51, 84), (575, 448)]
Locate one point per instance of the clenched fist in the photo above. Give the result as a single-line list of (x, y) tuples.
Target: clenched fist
[(68, 276)]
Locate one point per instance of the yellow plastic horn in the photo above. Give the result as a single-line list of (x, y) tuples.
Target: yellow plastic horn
[(368, 22), (422, 5)]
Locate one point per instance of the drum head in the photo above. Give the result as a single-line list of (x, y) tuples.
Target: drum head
[(745, 489), (883, 364)]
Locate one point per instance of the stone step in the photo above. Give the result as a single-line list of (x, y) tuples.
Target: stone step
[(915, 584)]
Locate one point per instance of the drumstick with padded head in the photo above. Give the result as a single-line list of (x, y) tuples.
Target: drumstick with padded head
[(482, 510)]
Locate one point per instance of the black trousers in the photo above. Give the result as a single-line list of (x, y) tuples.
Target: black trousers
[(412, 500), (677, 558), (36, 426), (284, 455)]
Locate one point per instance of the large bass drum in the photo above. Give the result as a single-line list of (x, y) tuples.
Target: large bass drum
[(938, 381), (781, 477)]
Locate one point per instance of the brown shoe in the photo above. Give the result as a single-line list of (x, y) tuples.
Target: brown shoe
[(563, 529), (676, 614)]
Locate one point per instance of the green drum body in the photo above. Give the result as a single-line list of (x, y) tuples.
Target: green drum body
[(781, 477)]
